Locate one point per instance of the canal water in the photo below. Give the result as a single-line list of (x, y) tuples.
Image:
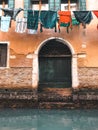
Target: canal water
[(28, 119)]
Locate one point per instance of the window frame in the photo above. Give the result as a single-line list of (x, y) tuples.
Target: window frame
[(5, 1), (37, 3), (72, 3), (3, 5), (7, 58)]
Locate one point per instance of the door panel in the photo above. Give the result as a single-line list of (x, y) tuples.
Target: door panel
[(55, 71)]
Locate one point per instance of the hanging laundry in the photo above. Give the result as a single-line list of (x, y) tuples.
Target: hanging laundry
[(32, 31), (75, 22), (32, 21), (64, 19), (5, 23), (16, 12), (96, 14), (0, 21), (83, 17), (11, 12), (48, 19), (21, 25), (65, 25)]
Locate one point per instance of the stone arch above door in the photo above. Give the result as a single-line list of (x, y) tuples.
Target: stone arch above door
[(35, 71)]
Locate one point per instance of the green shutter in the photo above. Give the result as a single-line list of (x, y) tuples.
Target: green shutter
[(57, 5), (54, 5), (51, 4), (26, 6), (82, 5), (11, 3)]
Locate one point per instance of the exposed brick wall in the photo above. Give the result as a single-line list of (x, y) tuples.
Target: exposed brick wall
[(22, 77), (88, 77), (16, 77)]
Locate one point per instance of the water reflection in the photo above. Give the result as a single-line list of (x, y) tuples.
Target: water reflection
[(48, 120)]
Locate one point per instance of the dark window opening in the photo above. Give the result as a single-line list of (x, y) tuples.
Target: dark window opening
[(3, 55), (72, 5), (37, 1), (54, 5), (3, 4), (3, 1), (71, 1), (35, 4)]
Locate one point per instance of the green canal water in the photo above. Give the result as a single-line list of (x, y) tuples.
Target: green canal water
[(28, 119)]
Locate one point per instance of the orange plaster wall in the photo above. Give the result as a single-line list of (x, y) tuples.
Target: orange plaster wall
[(23, 44), (92, 4)]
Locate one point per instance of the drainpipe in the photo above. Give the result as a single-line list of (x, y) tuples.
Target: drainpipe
[(3, 4), (68, 4), (40, 4)]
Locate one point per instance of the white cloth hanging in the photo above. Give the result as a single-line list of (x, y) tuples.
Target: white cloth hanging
[(32, 31), (5, 23), (21, 25)]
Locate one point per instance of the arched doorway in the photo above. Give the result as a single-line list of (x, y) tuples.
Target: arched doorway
[(55, 65), (35, 63)]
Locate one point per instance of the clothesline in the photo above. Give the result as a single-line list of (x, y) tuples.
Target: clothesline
[(26, 9), (48, 19)]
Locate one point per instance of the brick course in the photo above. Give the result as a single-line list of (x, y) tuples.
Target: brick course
[(88, 77), (15, 77)]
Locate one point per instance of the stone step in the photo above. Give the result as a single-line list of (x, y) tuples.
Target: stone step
[(55, 95), (54, 98), (56, 105)]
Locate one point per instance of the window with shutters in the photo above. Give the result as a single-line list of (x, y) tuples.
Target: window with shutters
[(69, 5), (3, 54), (55, 5), (45, 4), (37, 4)]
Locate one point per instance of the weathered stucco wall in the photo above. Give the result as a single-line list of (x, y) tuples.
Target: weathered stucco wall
[(23, 44), (92, 4)]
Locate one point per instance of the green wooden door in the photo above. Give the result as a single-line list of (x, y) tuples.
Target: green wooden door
[(54, 69), (55, 72)]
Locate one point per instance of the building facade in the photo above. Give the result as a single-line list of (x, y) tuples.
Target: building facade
[(49, 59)]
